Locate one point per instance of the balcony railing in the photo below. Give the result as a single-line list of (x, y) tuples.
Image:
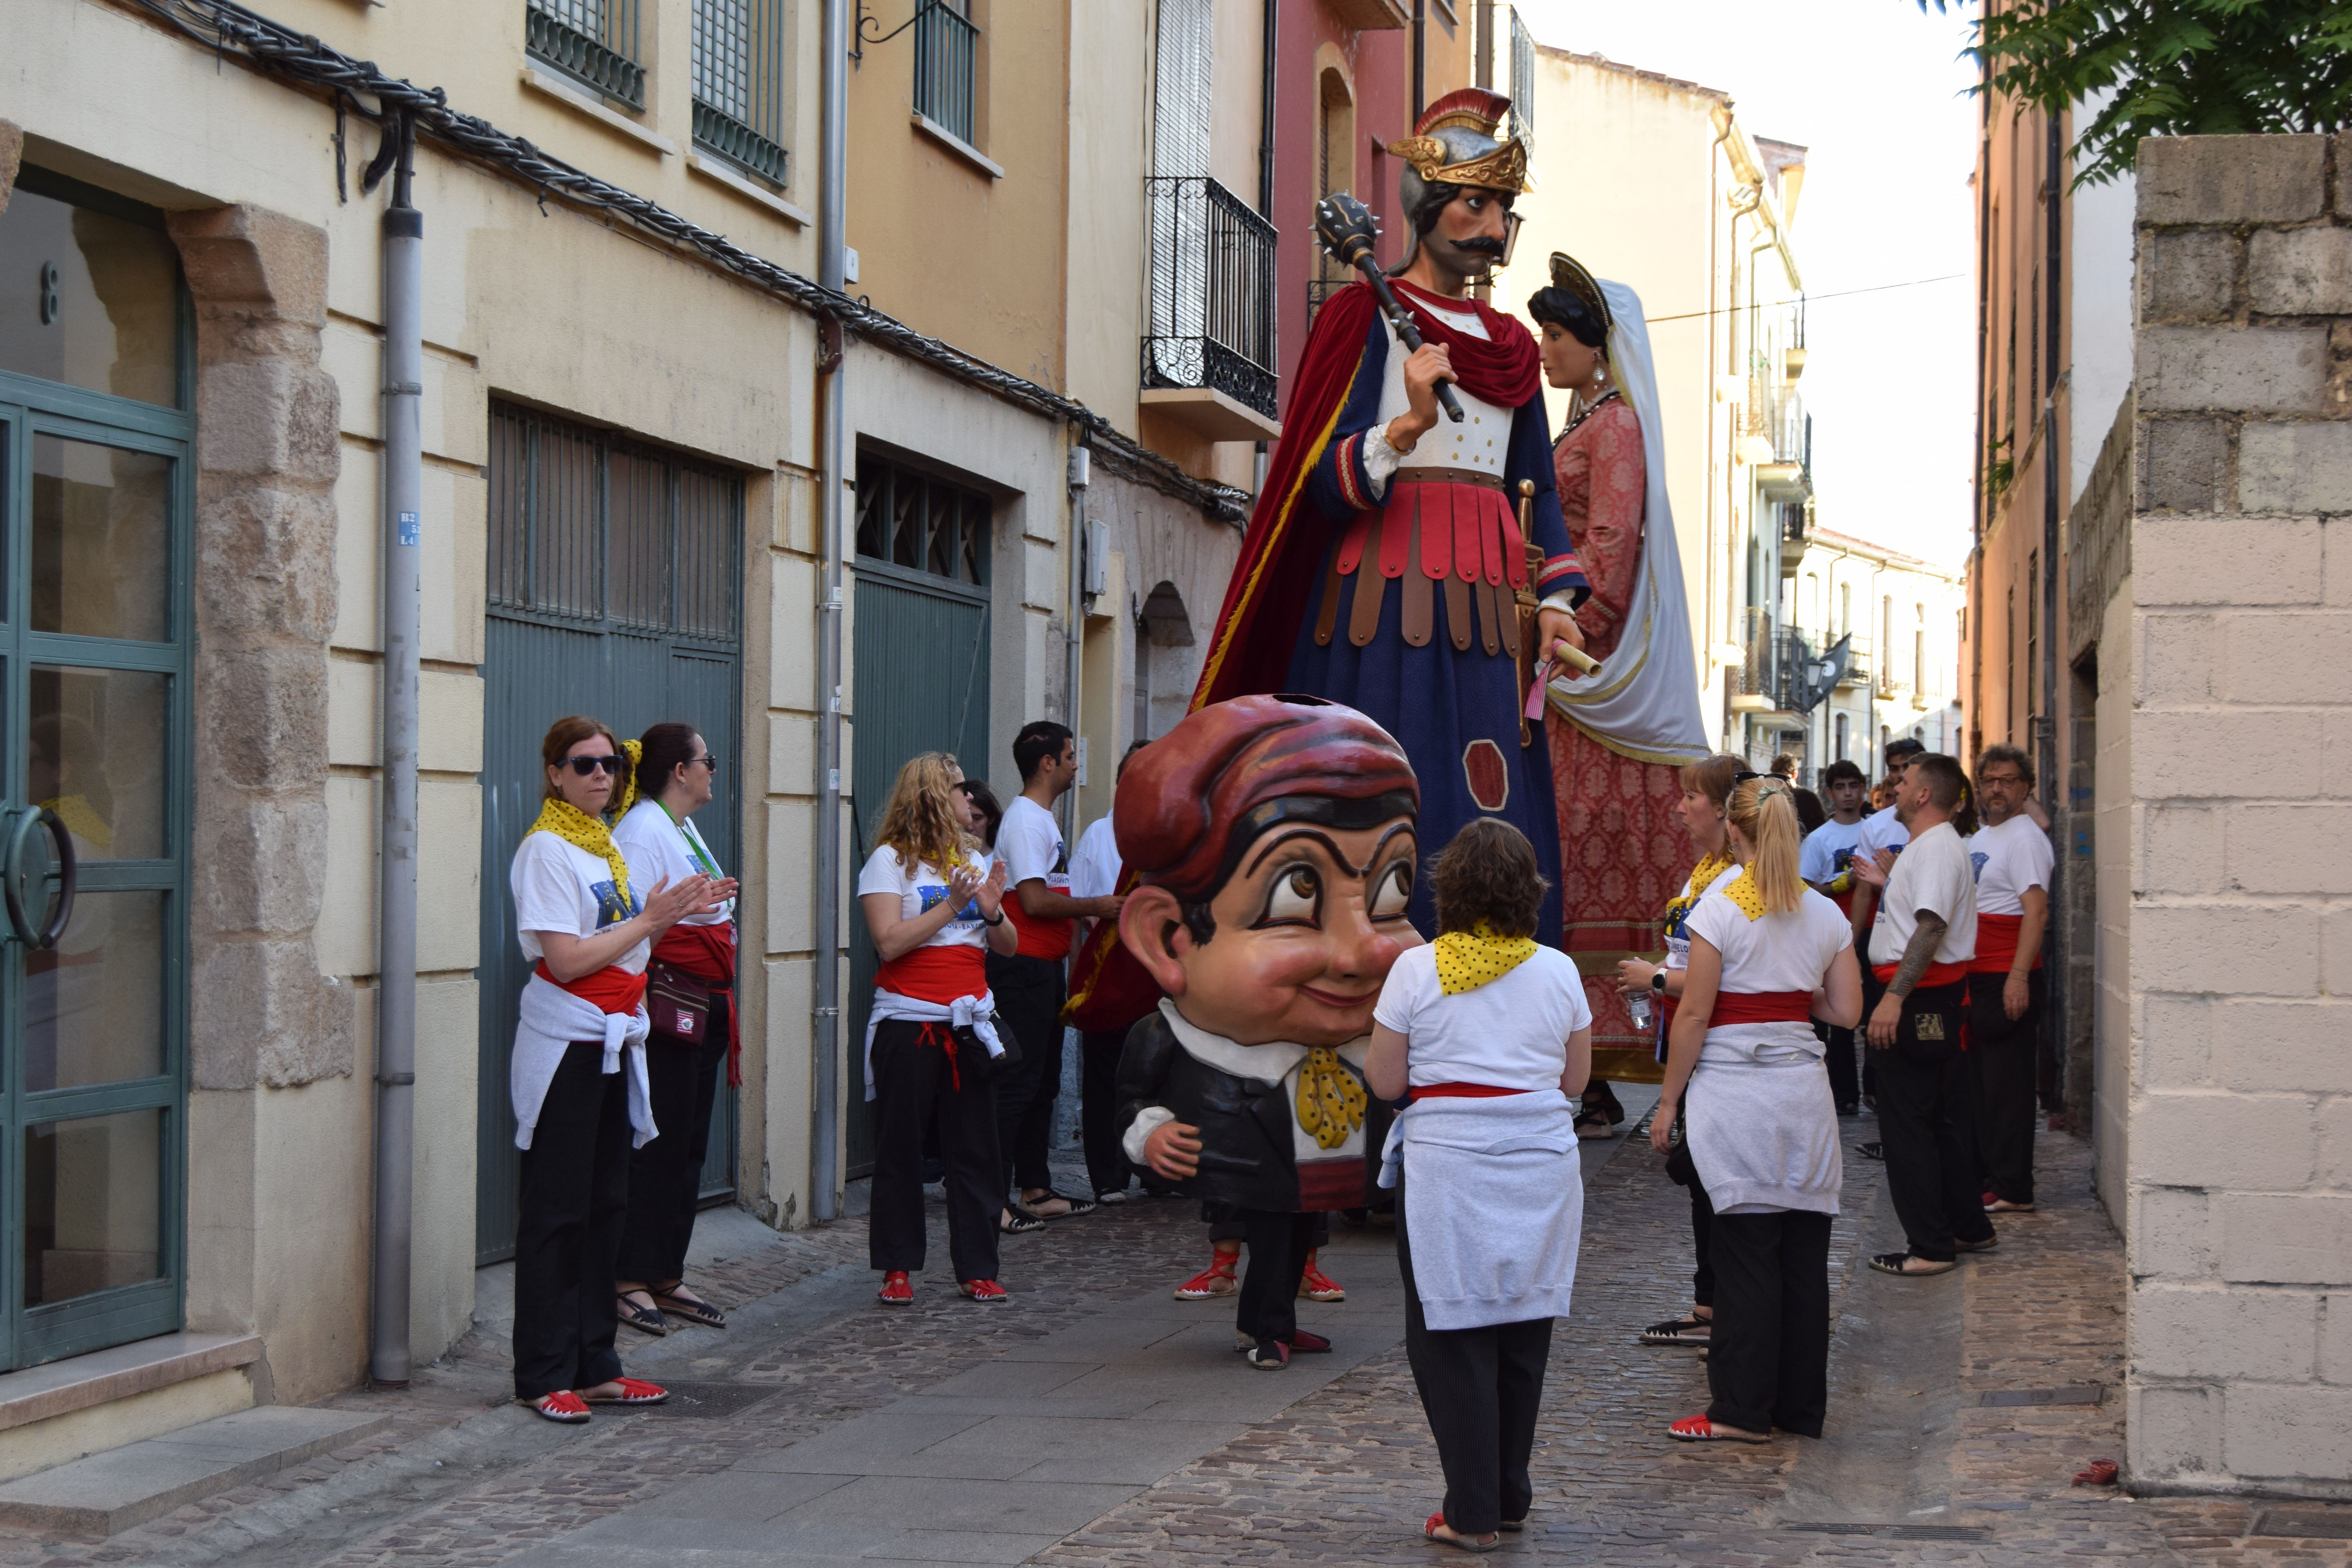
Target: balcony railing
[(1804, 677), (1211, 306), (1857, 662), (739, 83), (594, 41), (946, 45), (1753, 675)]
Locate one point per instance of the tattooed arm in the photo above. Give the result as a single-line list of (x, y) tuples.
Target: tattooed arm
[(1887, 1017)]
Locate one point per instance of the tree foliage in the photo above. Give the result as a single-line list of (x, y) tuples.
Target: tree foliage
[(2173, 68)]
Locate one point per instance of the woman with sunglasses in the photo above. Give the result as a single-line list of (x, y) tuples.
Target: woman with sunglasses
[(578, 1076), (697, 1029)]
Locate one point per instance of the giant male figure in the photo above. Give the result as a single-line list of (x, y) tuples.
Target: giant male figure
[(1384, 558)]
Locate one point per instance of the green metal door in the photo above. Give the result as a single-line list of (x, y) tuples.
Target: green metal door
[(97, 489), (921, 672), (614, 571)]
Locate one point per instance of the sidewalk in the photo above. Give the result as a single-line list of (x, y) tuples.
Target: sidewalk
[(1094, 1421)]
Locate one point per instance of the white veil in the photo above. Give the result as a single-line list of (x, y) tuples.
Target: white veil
[(1643, 699)]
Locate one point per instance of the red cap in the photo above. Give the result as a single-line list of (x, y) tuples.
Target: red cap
[(1192, 800)]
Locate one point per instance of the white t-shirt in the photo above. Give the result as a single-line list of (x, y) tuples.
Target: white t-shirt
[(1787, 951), (2009, 859), (1511, 1032), (922, 889), (656, 849), (1880, 830), (1933, 874), (1828, 850), (1030, 844), (560, 887), (1094, 870)]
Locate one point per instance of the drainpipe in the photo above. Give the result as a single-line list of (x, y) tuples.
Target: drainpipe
[(825, 1143), (1081, 461), (2053, 1011), (1266, 117), (396, 1037), (1420, 56)]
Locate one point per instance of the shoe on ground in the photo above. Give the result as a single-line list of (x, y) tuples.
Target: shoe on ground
[(896, 1290), (1699, 1429), (633, 1391), (1994, 1205), (1989, 1244), (1453, 1537), (1317, 1286), (1303, 1344), (1216, 1279), (1849, 1108), (987, 1292), (1875, 1150), (1120, 1196), (563, 1407), (1269, 1355), (1903, 1265)]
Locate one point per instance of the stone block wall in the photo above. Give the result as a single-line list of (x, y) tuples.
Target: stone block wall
[(2238, 1167)]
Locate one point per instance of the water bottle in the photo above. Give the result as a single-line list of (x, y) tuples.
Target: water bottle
[(1637, 1007)]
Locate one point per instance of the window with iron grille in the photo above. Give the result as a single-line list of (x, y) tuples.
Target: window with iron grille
[(1523, 84), (947, 46), (739, 83), (591, 528), (593, 41), (911, 519)]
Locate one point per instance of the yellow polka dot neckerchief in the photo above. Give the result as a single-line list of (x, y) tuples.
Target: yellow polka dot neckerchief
[(1331, 1101), (1469, 959), (1705, 872), (1748, 894), (582, 831)]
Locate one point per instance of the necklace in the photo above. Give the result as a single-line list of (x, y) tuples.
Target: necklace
[(1579, 411)]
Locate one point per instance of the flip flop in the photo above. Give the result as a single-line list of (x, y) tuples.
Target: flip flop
[(1078, 1206), (1453, 1537), (1678, 1331), (1017, 1222)]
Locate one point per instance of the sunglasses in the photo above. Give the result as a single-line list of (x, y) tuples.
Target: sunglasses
[(583, 766)]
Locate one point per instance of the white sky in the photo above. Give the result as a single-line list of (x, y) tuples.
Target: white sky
[(1878, 93)]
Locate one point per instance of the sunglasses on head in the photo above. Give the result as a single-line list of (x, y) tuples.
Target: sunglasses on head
[(583, 766)]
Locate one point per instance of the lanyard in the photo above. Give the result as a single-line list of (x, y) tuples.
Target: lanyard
[(693, 843)]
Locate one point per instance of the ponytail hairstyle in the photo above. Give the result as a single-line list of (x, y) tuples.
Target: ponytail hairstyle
[(1765, 811), (662, 749)]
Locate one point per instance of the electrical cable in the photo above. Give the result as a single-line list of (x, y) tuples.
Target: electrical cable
[(228, 28), (1809, 298)]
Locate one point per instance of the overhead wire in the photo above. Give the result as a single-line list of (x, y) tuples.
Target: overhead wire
[(1808, 298)]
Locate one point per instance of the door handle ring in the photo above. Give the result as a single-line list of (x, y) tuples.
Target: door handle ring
[(12, 878)]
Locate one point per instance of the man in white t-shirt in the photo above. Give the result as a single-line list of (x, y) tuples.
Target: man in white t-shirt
[(1826, 862), (2013, 864), (1920, 945), (1881, 837), (1030, 984)]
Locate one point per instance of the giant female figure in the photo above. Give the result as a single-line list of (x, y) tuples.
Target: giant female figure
[(1617, 737)]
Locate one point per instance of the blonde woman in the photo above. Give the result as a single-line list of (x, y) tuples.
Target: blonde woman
[(934, 903), (1768, 955)]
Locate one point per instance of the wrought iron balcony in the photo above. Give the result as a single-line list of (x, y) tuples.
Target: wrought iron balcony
[(1802, 676), (739, 83), (1212, 317), (594, 41)]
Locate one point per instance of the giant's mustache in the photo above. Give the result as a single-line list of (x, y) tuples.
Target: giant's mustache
[(1480, 245)]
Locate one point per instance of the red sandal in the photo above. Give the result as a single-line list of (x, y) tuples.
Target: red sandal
[(1317, 1286), (1699, 1429), (563, 1407), (895, 1292), (987, 1292), (1216, 1279), (1453, 1537), (633, 1391)]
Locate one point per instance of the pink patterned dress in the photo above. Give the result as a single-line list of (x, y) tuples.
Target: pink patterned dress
[(1623, 850)]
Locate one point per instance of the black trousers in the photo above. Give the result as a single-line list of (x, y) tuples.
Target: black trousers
[(1236, 1230), (914, 1090), (666, 1176), (1682, 1173), (574, 1199), (1845, 1082), (1029, 1001), (2003, 1056), (1767, 1358), (1481, 1389), (1267, 1304), (1929, 1131), (1106, 1164)]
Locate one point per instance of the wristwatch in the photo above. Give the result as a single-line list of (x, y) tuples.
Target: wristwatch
[(998, 921), (1658, 980)]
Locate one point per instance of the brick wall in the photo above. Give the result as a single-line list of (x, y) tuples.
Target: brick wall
[(2238, 1167)]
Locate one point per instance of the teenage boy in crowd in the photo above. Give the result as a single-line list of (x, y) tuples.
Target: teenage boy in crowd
[(1921, 943), (2012, 859), (1826, 863), (1881, 833), (1029, 983)]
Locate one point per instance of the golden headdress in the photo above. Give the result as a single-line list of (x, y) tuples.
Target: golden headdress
[(1569, 276)]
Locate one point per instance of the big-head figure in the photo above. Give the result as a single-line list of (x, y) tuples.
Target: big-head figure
[(1273, 842)]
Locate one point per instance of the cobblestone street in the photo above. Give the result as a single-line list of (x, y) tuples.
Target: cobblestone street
[(1094, 1421)]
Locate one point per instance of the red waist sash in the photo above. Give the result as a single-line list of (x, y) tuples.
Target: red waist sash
[(1937, 974), (611, 989), (707, 953), (1761, 1008), (1997, 944), (935, 975), (1463, 1091)]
